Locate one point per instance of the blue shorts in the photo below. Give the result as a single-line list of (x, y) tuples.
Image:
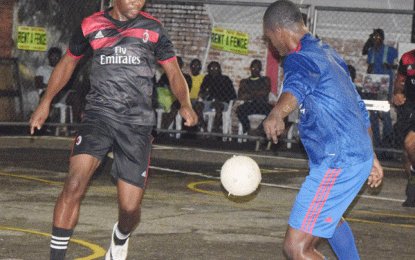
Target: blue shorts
[(324, 197), (131, 145)]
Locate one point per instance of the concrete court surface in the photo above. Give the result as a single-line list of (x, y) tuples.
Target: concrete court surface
[(186, 213)]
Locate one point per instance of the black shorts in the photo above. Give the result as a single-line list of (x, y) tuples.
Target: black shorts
[(406, 119), (131, 147)]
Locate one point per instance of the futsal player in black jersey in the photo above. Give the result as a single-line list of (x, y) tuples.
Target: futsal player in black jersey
[(127, 44)]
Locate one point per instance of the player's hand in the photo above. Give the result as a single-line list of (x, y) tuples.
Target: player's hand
[(273, 127), (376, 175), (39, 117), (399, 99), (189, 115)]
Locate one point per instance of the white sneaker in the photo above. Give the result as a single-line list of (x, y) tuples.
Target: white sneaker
[(117, 252)]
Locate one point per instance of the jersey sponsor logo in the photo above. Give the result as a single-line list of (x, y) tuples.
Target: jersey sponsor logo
[(144, 174), (120, 57), (409, 67), (78, 140), (99, 35), (413, 81)]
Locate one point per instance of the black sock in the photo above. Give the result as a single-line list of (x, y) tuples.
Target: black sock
[(59, 243), (118, 241)]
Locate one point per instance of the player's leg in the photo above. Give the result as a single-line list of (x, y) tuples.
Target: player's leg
[(243, 111), (324, 197), (66, 212), (129, 213), (301, 246), (343, 242), (130, 169), (217, 121), (199, 107), (91, 145), (129, 200), (409, 155)]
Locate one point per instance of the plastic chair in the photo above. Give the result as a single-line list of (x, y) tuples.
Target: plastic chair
[(226, 120), (63, 109), (178, 121)]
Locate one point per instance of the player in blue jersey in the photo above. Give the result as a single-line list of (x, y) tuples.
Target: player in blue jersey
[(334, 129), (126, 44)]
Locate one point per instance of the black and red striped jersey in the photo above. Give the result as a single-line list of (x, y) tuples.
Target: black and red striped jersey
[(406, 69), (125, 56)]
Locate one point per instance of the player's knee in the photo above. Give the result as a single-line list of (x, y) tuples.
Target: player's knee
[(289, 249), (409, 143), (294, 249), (130, 209), (74, 188)]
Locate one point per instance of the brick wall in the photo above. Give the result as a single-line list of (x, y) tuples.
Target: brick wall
[(6, 18), (190, 27)]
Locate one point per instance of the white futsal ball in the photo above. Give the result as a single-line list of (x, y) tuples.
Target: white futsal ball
[(240, 175)]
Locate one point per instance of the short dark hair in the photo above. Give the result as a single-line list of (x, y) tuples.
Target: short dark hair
[(194, 61), (256, 61), (54, 50), (282, 14), (215, 64), (380, 32)]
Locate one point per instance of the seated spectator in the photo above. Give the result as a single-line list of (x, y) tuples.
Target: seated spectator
[(216, 92), (254, 91), (197, 79), (43, 73), (163, 82)]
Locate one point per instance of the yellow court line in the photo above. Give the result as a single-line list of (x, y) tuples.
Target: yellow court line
[(97, 250), (378, 222), (31, 178), (193, 185), (383, 214)]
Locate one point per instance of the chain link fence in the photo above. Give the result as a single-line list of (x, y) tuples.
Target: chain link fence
[(222, 39), (347, 30)]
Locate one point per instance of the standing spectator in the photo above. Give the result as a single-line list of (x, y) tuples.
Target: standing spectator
[(380, 60), (254, 91), (404, 99), (127, 45), (216, 91), (334, 129)]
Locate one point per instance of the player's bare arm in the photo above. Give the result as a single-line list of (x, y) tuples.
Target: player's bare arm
[(274, 124), (180, 90), (398, 90), (60, 76)]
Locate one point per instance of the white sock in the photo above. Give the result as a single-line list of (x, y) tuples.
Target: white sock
[(120, 235)]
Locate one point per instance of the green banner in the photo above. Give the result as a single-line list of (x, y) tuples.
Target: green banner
[(229, 40), (31, 39)]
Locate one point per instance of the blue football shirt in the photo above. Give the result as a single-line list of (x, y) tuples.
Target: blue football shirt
[(333, 118)]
